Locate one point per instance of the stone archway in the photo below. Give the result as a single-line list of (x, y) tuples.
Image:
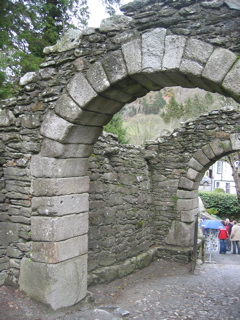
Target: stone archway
[(149, 62)]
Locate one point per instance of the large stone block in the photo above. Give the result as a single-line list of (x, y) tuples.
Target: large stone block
[(97, 77), (133, 56), (56, 285), (111, 103), (191, 67), (174, 46), (208, 151), (58, 168), (60, 205), (198, 50), (60, 186), (11, 232), (56, 128), (3, 236), (185, 194), (55, 252), (235, 141), (55, 149), (194, 164), (189, 215), (66, 108), (201, 158), (220, 146), (153, 43), (192, 174), (180, 234), (187, 204), (185, 183), (231, 82), (80, 90), (59, 228), (218, 65), (114, 66)]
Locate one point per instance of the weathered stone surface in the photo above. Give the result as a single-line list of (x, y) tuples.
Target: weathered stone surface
[(57, 285), (192, 174), (115, 67), (187, 204), (28, 78), (219, 146), (194, 164), (55, 252), (235, 141), (7, 118), (198, 50), (70, 40), (133, 56), (184, 194), (191, 67), (59, 228), (3, 239), (55, 149), (80, 90), (70, 111), (11, 230), (153, 50), (201, 158), (135, 203), (185, 183), (60, 186), (189, 215), (180, 234), (233, 4), (174, 46), (218, 65), (231, 82), (208, 151), (97, 77), (60, 205), (58, 168), (117, 22)]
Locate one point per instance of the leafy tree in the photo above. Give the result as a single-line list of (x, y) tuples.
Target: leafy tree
[(26, 27), (116, 126)]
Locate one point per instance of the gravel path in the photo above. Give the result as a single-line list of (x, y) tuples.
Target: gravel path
[(162, 291)]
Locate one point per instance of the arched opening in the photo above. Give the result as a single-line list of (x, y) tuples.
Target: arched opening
[(59, 172)]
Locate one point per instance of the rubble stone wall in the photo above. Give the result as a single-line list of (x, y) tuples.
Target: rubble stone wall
[(49, 129)]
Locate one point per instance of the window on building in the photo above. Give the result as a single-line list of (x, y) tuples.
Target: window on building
[(227, 187), (219, 166)]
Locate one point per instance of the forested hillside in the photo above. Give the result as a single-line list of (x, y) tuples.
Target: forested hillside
[(147, 117)]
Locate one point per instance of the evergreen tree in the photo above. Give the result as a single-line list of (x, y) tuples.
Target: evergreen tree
[(116, 126), (173, 110), (26, 27), (155, 106)]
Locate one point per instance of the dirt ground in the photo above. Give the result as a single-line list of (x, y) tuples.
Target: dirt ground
[(164, 290)]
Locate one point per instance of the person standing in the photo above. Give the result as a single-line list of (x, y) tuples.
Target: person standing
[(223, 236), (228, 226), (235, 237)]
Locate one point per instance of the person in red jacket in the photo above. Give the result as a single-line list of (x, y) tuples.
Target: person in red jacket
[(223, 236)]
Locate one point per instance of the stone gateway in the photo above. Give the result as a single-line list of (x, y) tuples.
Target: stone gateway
[(76, 208)]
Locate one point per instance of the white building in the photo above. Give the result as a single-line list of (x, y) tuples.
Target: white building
[(219, 175)]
